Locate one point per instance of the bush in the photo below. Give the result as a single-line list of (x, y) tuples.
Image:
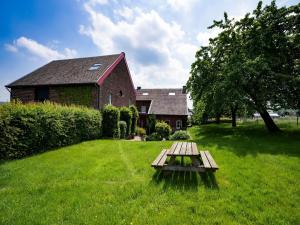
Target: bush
[(163, 129), (141, 131), (123, 127), (154, 137), (135, 118), (126, 115), (110, 122), (26, 129), (151, 121), (180, 135)]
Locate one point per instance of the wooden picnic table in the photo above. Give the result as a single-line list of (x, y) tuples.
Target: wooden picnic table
[(201, 161)]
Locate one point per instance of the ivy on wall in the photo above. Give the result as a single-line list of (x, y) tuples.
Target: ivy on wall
[(78, 95)]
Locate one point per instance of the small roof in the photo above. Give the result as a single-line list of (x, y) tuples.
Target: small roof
[(169, 101), (70, 71)]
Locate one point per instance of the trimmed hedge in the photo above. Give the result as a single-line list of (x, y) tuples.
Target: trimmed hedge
[(123, 127), (126, 115), (110, 122), (135, 118), (26, 129)]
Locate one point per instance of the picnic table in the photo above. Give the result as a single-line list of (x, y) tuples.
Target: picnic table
[(201, 161)]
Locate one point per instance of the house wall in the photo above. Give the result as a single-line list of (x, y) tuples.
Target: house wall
[(24, 94), (170, 119), (72, 94), (139, 105), (118, 80)]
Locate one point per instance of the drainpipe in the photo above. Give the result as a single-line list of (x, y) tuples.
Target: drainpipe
[(9, 92)]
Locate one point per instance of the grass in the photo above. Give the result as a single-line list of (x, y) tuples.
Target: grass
[(111, 182)]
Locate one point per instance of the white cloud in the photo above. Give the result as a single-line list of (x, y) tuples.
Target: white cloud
[(157, 51), (10, 48), (40, 50), (203, 37), (100, 2), (180, 5)]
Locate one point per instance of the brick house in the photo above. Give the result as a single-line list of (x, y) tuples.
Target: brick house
[(93, 81), (169, 105)]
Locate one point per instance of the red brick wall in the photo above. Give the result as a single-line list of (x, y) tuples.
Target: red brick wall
[(118, 80)]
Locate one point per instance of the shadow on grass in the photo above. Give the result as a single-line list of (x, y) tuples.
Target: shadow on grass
[(184, 180), (248, 139)]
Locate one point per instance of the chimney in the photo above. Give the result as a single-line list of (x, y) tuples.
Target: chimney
[(138, 88), (184, 89)]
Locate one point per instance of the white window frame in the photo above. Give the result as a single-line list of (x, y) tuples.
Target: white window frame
[(178, 126), (110, 99), (143, 107)]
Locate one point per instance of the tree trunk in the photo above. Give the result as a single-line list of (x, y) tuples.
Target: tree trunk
[(233, 116), (218, 119), (272, 127)]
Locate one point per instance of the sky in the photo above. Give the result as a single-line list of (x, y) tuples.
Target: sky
[(159, 38)]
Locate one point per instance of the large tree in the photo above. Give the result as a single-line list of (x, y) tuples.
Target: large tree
[(254, 61)]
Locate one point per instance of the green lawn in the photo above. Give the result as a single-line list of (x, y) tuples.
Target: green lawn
[(111, 182)]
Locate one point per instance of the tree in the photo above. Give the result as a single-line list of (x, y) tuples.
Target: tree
[(135, 117), (255, 60)]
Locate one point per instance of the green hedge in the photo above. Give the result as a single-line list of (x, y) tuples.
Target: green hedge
[(180, 135), (123, 127), (110, 122), (26, 129), (126, 115), (135, 118)]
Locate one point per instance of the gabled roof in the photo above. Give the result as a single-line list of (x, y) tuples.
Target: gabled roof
[(162, 103), (71, 71)]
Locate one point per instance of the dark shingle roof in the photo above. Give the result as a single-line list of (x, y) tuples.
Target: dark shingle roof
[(162, 103), (68, 71)]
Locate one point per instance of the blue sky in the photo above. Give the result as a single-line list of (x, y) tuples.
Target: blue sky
[(159, 38)]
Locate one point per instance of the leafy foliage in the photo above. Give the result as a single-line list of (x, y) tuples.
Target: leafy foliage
[(126, 115), (78, 95), (154, 137), (180, 135), (163, 129), (253, 62), (110, 123), (32, 128), (135, 118), (141, 131), (151, 121), (123, 128)]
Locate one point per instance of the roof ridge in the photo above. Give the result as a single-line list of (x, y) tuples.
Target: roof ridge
[(89, 57)]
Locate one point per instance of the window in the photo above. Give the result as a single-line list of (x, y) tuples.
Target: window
[(178, 124), (121, 93), (110, 99), (143, 109), (95, 66), (41, 94), (145, 93), (172, 93)]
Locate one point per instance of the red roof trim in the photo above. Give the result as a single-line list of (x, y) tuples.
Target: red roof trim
[(111, 68)]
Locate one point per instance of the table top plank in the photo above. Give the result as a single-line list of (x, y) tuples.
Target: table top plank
[(189, 149), (178, 147), (183, 148), (194, 149), (172, 149)]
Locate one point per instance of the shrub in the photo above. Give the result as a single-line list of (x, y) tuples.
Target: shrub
[(163, 129), (154, 137), (135, 117), (126, 115), (123, 127), (141, 131), (180, 135), (26, 129), (151, 121), (110, 122)]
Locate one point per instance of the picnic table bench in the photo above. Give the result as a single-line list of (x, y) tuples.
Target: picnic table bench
[(201, 161)]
